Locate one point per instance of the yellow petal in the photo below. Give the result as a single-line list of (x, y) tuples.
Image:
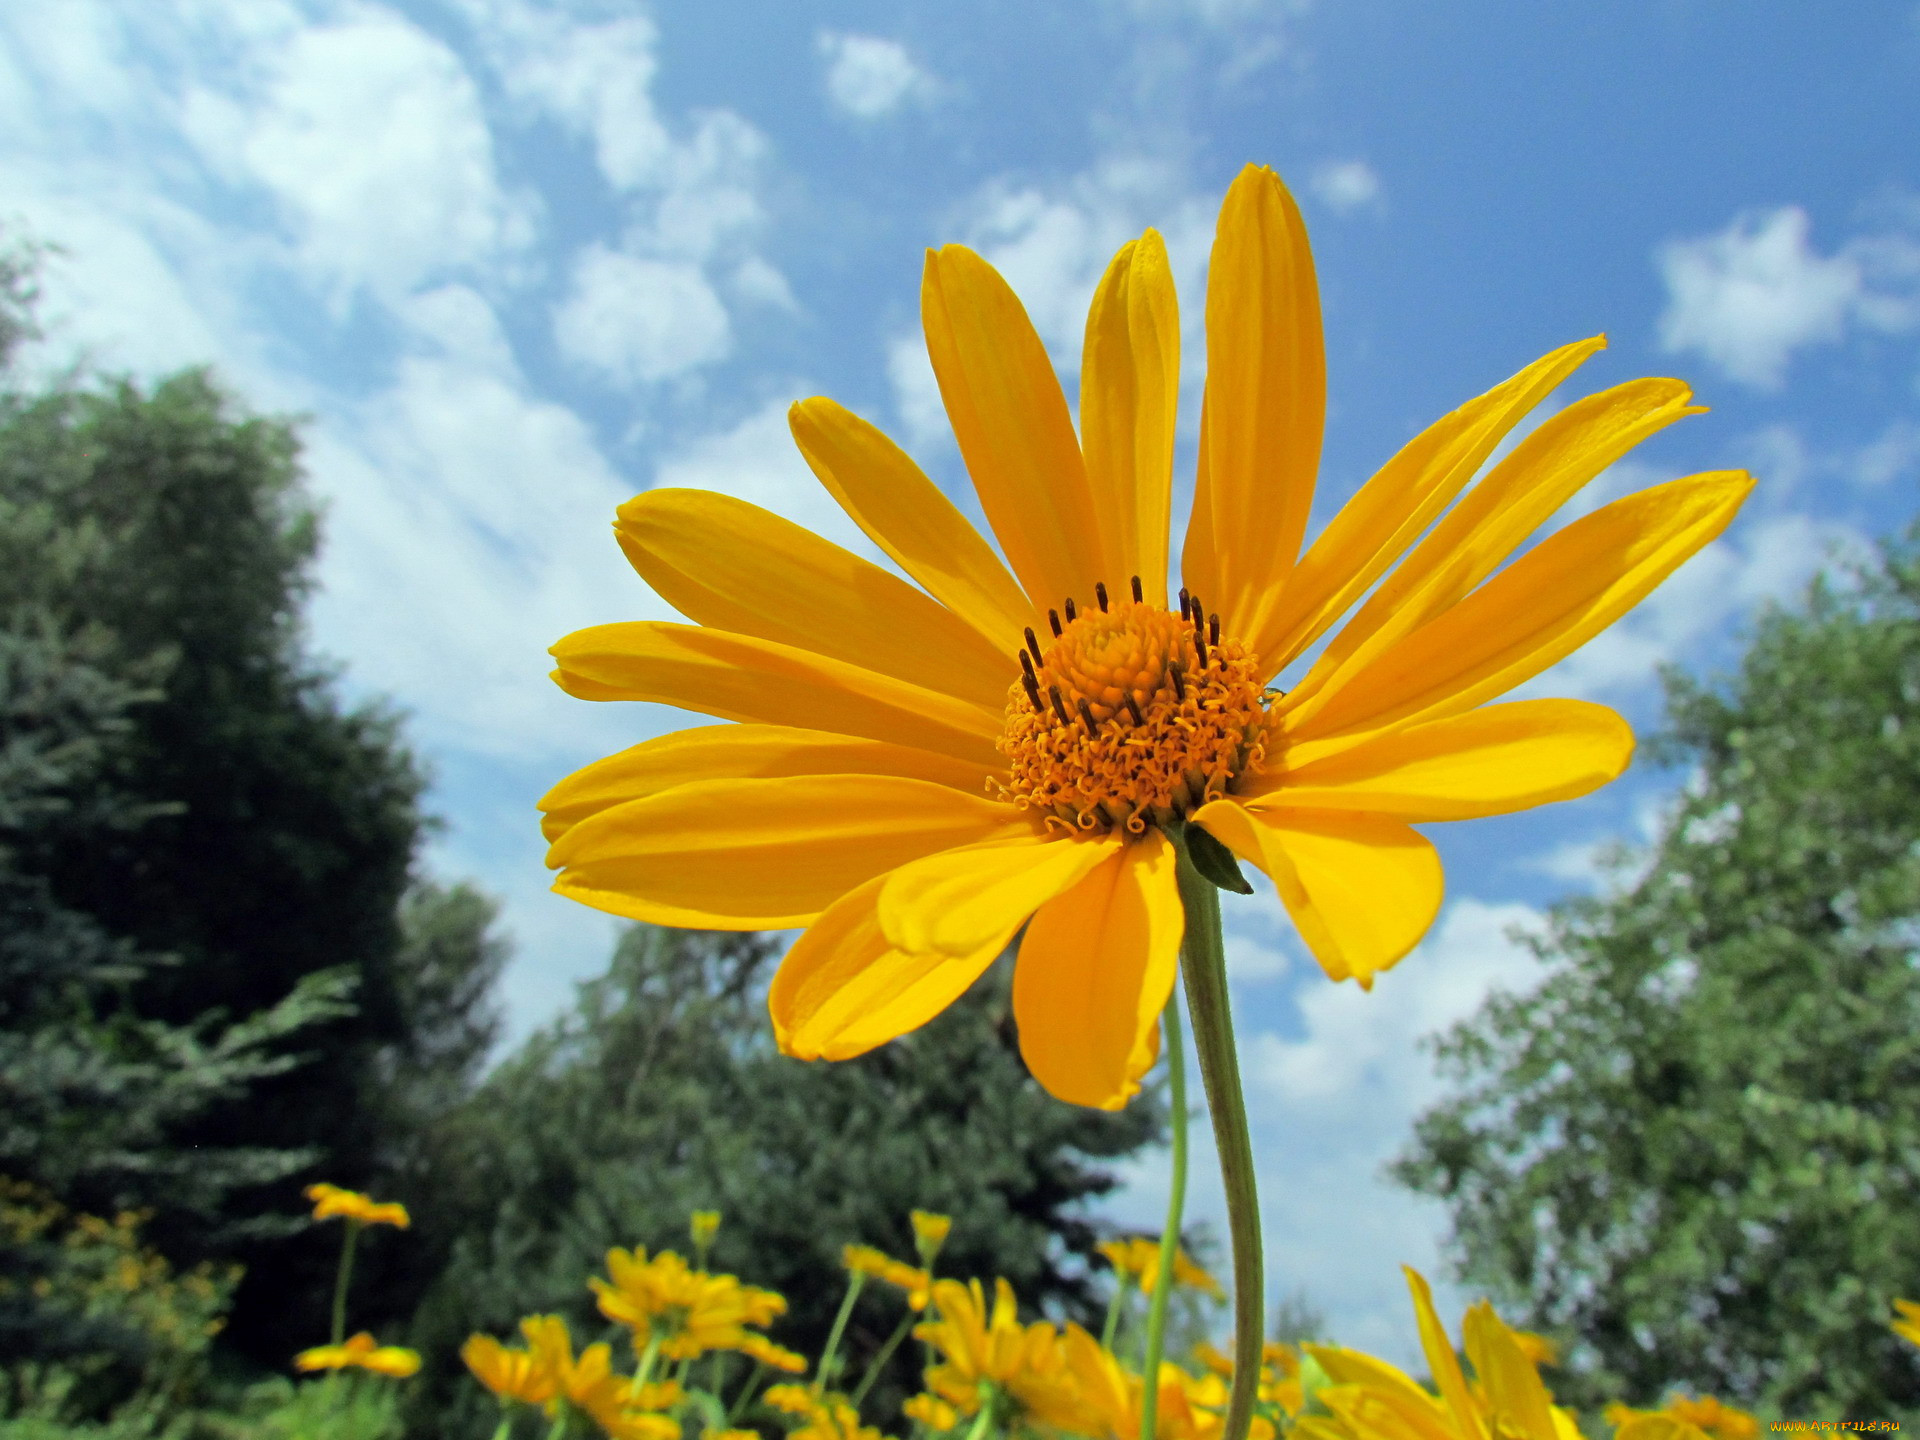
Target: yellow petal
[(906, 515), (1370, 1414), (844, 988), (1547, 604), (762, 854), (1362, 889), (1490, 761), (956, 901), (1095, 969), (1129, 392), (1354, 1367), (1265, 405), (1511, 1384), (738, 677), (1392, 509), (724, 563), (1013, 428), (1657, 1426), (739, 752), (1442, 1361), (1479, 533)]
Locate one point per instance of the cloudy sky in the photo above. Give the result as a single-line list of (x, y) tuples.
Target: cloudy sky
[(518, 261)]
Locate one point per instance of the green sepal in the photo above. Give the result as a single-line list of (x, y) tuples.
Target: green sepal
[(1214, 861)]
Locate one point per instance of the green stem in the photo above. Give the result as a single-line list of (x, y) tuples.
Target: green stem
[(746, 1392), (983, 1426), (340, 1281), (504, 1428), (828, 1357), (1205, 968), (561, 1424), (1119, 1299), (1176, 1202), (879, 1362), (643, 1372)]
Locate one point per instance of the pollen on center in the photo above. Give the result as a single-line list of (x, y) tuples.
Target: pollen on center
[(1132, 716)]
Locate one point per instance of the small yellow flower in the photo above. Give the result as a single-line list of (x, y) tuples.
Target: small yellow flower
[(1189, 1407), (1139, 1259), (361, 1352), (589, 1384), (929, 1233), (793, 1399), (689, 1311), (729, 1435), (866, 1260), (981, 1348), (331, 1200), (511, 1374), (931, 1411), (656, 1395), (1907, 1327), (704, 1226), (758, 1347), (1705, 1416)]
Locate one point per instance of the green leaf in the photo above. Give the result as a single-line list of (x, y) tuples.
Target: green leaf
[(1214, 861)]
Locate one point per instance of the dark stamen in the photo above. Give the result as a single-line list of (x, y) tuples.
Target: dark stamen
[(1133, 709), (1059, 705), (1195, 610), (1185, 603), (1100, 594), (1179, 682), (1213, 628), (1199, 641), (1033, 645), (1069, 609), (1139, 597), (1086, 715), (1053, 619), (1026, 665), (1033, 690)]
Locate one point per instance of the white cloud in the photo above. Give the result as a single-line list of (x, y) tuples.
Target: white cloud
[(634, 320), (868, 77), (371, 135), (1749, 296), (1345, 186), (1894, 454)]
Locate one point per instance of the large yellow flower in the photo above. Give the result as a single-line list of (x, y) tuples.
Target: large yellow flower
[(918, 772)]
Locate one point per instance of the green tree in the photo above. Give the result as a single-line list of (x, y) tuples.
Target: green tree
[(204, 852), (1693, 1149), (661, 1093)]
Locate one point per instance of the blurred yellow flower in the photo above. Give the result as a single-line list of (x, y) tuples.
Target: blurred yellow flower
[(1372, 1400), (1683, 1417), (510, 1374), (688, 1311), (1188, 1407), (704, 1226), (361, 1352), (331, 1200), (931, 1411), (1907, 1327), (866, 1260), (979, 1348), (758, 1347), (918, 773), (589, 1383), (929, 1233), (1138, 1258)]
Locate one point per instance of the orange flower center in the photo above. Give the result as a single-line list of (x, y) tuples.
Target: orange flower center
[(1132, 717)]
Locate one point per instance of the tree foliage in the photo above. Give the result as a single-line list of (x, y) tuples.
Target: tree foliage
[(1693, 1149), (661, 1093)]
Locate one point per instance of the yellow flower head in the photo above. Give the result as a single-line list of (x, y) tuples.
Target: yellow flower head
[(979, 1348), (865, 1260), (1113, 1398), (331, 1200), (511, 1374), (1505, 1398), (929, 1233), (703, 1227), (931, 1411), (758, 1347), (1705, 1416), (1138, 1259), (918, 773), (729, 1435), (689, 1311), (793, 1399), (363, 1353), (1907, 1327)]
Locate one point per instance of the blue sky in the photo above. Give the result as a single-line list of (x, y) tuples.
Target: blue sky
[(517, 262)]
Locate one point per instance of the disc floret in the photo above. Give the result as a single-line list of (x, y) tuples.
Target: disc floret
[(1133, 716)]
